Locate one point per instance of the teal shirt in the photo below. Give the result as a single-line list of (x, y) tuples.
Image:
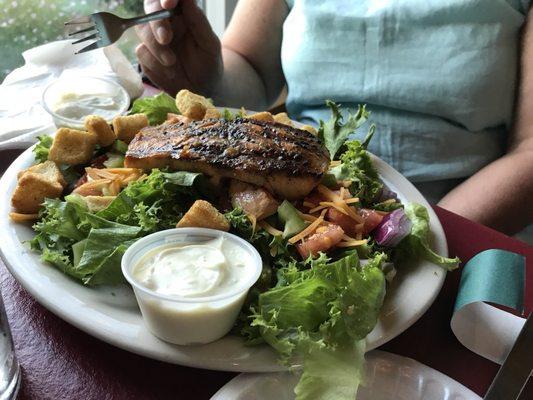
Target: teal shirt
[(438, 75)]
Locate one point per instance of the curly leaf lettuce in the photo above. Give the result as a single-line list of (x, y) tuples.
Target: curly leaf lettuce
[(89, 247), (156, 108), (156, 202), (322, 313), (42, 148), (335, 131), (356, 166), (332, 373), (416, 245)]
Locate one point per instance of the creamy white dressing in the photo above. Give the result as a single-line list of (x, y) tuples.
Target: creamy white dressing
[(192, 291), (77, 106), (193, 270)]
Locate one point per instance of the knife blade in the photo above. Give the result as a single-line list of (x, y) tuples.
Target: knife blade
[(516, 369)]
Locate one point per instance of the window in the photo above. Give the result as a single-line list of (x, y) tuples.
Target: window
[(29, 23)]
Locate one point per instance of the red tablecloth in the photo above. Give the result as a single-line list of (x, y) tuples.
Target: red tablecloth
[(61, 362)]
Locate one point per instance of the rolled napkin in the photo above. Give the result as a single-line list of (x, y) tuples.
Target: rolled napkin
[(22, 117), (493, 276)]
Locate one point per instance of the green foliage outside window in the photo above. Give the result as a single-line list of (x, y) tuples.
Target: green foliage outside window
[(29, 23)]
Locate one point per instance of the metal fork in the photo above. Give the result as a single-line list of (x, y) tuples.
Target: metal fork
[(107, 28)]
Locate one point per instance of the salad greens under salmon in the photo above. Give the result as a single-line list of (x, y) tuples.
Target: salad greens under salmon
[(327, 257)]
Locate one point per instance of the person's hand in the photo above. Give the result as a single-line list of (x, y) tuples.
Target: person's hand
[(182, 52)]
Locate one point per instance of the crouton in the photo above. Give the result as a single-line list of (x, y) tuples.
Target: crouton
[(192, 105), (99, 127), (203, 215), (49, 169), (309, 129), (72, 147), (126, 127), (36, 184), (212, 113), (283, 118), (262, 116)]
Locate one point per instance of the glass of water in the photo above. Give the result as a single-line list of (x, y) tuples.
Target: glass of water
[(9, 367)]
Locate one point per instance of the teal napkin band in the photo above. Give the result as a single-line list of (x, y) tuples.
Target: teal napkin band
[(495, 276), (492, 276)]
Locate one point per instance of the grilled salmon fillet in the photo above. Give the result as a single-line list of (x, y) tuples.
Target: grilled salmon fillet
[(286, 161)]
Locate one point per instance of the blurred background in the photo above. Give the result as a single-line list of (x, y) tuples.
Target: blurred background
[(29, 23)]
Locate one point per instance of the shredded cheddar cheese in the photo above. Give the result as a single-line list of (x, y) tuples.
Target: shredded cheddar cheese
[(346, 183), (318, 208), (253, 220), (270, 229), (308, 217), (351, 212), (309, 230), (342, 193), (352, 243), (336, 205), (347, 238), (328, 193)]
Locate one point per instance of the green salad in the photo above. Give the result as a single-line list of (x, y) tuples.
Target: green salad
[(315, 302)]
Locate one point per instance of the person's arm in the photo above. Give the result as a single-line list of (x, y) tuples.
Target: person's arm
[(501, 194), (251, 48), (243, 70)]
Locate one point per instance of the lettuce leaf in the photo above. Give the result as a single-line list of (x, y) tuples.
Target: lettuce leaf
[(332, 373), (42, 148), (156, 108), (334, 132), (356, 166), (108, 271), (387, 206), (157, 202), (291, 219), (314, 312), (230, 116), (89, 247), (416, 245), (119, 147)]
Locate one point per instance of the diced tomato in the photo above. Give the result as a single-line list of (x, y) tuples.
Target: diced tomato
[(344, 221), (372, 219), (320, 241)]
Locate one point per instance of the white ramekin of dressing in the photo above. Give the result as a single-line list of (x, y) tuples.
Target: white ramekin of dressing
[(190, 283), (70, 100)]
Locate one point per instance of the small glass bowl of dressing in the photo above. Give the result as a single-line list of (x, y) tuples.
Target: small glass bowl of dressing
[(191, 283), (70, 100)]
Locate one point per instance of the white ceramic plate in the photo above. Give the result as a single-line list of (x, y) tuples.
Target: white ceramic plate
[(111, 313), (388, 377)]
